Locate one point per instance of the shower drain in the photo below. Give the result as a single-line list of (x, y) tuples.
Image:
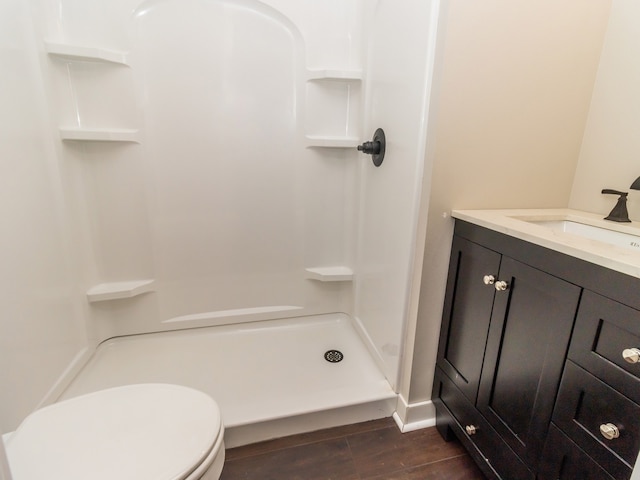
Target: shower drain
[(333, 356)]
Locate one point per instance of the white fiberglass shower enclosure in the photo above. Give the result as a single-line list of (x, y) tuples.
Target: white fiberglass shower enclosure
[(207, 188)]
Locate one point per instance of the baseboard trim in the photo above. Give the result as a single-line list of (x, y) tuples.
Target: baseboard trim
[(415, 416)]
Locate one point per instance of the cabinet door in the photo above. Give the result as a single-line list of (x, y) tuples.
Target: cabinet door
[(526, 347), (466, 315)]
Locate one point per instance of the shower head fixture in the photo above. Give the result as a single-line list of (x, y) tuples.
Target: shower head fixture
[(375, 147)]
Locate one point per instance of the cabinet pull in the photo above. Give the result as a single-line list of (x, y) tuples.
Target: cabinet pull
[(501, 286), (631, 355), (471, 429), (609, 431), (489, 279)]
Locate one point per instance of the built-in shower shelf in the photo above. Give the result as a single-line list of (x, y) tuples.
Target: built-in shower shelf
[(85, 54), (99, 134), (117, 290), (331, 141), (330, 274), (337, 75)]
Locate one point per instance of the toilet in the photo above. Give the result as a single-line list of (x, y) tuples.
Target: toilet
[(132, 432)]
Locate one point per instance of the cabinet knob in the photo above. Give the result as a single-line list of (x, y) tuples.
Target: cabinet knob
[(609, 431), (501, 286), (471, 429), (631, 355), (489, 279)]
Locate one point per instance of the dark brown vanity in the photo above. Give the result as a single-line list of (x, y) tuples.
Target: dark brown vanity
[(538, 367)]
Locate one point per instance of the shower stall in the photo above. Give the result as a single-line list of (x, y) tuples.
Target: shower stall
[(214, 220)]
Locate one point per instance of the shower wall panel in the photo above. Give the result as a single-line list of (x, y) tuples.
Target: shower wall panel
[(41, 306), (399, 72), (221, 142), (212, 142)]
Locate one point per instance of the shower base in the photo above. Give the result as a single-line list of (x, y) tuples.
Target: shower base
[(269, 378)]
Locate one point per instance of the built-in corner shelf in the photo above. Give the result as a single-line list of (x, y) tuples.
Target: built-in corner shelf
[(330, 274), (99, 134), (335, 75), (117, 290), (85, 54), (331, 141), (349, 78)]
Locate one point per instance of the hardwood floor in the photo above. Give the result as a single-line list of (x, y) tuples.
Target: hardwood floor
[(373, 450)]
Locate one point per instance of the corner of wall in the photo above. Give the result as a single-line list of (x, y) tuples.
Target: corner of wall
[(610, 147), (5, 473)]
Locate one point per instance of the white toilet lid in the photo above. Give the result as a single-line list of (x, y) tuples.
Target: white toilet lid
[(134, 432)]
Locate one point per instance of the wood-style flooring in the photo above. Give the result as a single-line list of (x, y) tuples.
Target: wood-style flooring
[(373, 450)]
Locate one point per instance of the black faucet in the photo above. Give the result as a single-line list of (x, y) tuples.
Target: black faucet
[(619, 212)]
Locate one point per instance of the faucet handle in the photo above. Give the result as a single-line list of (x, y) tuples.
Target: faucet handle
[(615, 192)]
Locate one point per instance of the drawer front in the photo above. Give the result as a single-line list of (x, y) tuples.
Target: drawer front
[(604, 330), (585, 404), (564, 460), (497, 454)]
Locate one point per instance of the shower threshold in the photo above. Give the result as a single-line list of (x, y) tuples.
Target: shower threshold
[(269, 378)]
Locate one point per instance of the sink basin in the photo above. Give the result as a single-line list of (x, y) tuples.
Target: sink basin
[(612, 237)]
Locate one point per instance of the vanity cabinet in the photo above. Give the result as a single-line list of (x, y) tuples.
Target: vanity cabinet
[(524, 390)]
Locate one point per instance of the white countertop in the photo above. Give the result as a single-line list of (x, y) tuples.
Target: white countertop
[(519, 224)]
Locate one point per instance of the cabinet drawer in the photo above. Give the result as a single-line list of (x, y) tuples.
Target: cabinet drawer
[(604, 330), (564, 460), (584, 404), (497, 454)]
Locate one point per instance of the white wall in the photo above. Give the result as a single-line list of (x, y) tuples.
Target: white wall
[(610, 155), (41, 319), (514, 86)]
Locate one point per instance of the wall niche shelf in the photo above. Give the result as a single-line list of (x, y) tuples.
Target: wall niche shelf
[(346, 77), (99, 134), (85, 54), (323, 141), (330, 274), (117, 290), (334, 75)]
